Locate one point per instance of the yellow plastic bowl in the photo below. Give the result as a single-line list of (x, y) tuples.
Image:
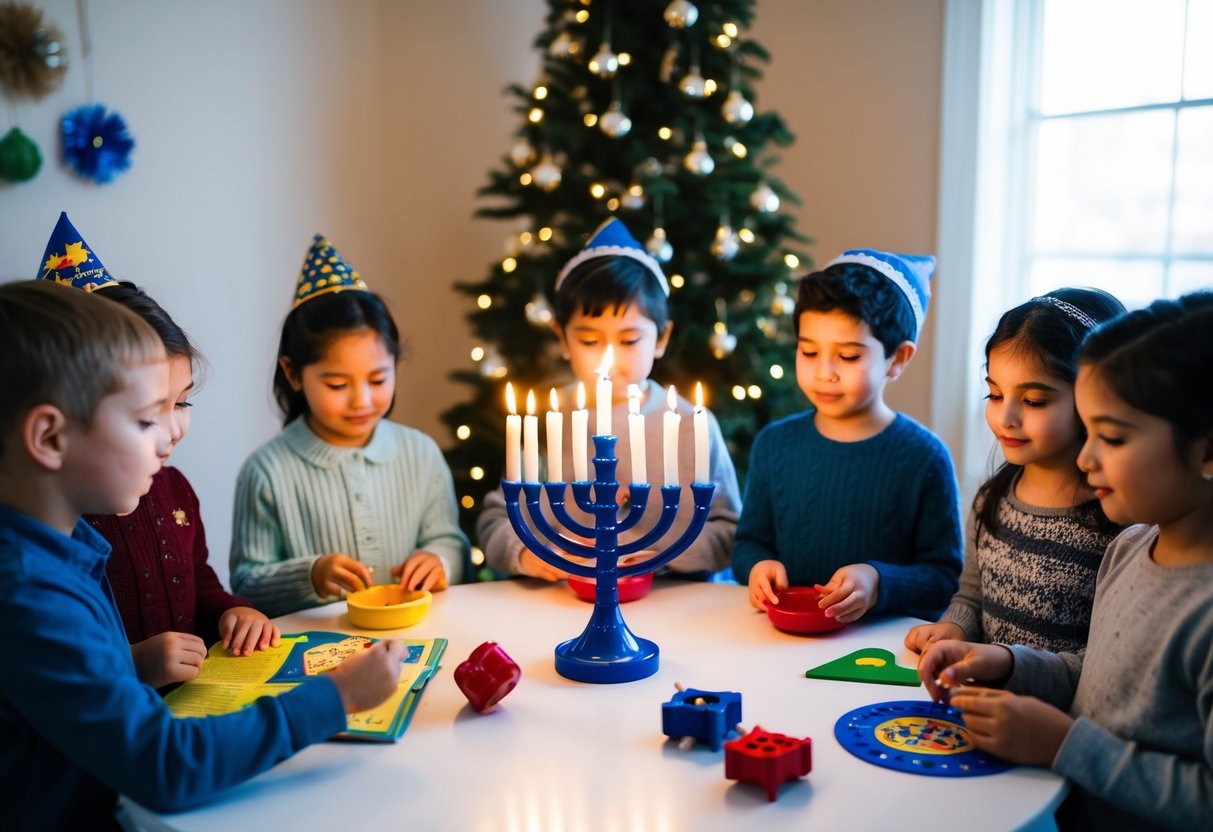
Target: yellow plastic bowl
[(387, 607)]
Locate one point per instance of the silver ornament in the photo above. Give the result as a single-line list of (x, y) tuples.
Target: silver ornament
[(650, 168), (782, 303), (699, 161), (726, 244), (693, 84), (491, 366), (614, 122), (722, 342), (539, 312), (546, 175), (736, 109), (658, 246), (633, 198), (605, 63), (522, 153), (764, 199), (681, 14), (561, 46)]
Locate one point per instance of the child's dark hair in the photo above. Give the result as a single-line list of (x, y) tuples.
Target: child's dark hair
[(176, 343), (865, 295), (603, 283), (313, 325), (1047, 331), (1159, 360)]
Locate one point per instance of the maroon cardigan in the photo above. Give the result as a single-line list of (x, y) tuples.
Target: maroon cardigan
[(158, 569)]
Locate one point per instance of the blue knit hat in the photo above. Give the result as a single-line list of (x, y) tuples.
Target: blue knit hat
[(69, 260), (612, 239), (325, 270), (911, 273)]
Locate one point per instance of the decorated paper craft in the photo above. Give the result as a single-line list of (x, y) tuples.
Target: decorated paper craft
[(871, 664), (917, 736)]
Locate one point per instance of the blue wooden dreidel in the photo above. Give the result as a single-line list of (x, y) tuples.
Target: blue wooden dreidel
[(700, 715)]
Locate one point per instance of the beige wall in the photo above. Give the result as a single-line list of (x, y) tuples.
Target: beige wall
[(375, 122)]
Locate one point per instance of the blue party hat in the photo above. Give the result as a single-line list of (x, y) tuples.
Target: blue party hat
[(911, 273), (324, 271), (69, 260), (612, 239)]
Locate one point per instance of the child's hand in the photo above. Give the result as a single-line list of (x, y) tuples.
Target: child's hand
[(168, 658), (536, 567), (1021, 729), (851, 592), (370, 676), (767, 578), (244, 629), (421, 570), (949, 664), (924, 635), (336, 573)]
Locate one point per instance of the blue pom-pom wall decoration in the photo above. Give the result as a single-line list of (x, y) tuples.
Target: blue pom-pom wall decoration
[(96, 144)]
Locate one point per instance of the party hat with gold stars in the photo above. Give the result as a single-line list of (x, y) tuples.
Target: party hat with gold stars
[(325, 270), (68, 259)]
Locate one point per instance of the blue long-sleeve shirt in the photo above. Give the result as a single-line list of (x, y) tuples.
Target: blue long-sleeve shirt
[(77, 726), (890, 501)]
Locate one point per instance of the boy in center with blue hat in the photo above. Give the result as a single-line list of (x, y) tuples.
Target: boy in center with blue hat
[(852, 497)]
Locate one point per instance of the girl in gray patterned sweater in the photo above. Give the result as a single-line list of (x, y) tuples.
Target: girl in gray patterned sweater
[(1036, 534), (1130, 721)]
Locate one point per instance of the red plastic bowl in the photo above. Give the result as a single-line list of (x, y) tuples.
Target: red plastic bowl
[(631, 587), (797, 612)]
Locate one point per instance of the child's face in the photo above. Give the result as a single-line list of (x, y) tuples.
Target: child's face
[(176, 413), (635, 339), (1130, 458), (109, 466), (841, 367), (1031, 413), (349, 389)]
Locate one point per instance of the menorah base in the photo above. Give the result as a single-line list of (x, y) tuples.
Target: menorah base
[(574, 660)]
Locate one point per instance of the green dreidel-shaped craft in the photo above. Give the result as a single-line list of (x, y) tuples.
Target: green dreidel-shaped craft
[(871, 664)]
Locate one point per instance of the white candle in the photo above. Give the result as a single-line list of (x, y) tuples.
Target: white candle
[(581, 429), (555, 428), (701, 437), (636, 435), (530, 441), (672, 418), (605, 394), (513, 437)]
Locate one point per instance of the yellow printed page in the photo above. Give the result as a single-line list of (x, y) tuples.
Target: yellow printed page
[(212, 699), (221, 667)]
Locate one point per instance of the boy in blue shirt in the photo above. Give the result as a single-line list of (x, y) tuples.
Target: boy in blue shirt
[(851, 493), (84, 382)]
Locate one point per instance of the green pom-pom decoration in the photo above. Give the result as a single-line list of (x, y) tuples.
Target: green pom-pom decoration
[(20, 158)]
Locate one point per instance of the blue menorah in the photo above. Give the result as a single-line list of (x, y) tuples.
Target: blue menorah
[(607, 651)]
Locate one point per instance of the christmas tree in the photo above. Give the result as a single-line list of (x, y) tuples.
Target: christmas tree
[(644, 110)]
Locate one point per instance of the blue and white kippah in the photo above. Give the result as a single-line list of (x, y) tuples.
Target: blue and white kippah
[(911, 273), (612, 239)]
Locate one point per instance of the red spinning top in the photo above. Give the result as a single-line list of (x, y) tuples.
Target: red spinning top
[(487, 676)]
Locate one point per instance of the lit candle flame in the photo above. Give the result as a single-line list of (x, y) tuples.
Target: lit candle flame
[(530, 402), (554, 400), (671, 398), (510, 403), (634, 399), (699, 394), (580, 395), (608, 358)]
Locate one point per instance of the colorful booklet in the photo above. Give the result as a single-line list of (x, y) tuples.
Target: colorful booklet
[(228, 683)]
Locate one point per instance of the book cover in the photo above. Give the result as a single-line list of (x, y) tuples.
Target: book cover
[(228, 683)]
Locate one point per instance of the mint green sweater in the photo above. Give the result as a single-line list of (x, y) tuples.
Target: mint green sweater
[(299, 498)]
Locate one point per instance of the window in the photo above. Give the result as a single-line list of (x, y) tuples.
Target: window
[(1076, 150)]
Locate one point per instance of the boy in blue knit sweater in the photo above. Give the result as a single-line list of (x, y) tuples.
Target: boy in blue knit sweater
[(852, 494)]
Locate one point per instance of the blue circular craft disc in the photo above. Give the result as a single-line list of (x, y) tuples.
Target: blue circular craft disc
[(915, 736)]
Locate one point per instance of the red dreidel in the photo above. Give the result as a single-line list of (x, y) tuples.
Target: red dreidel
[(768, 759), (487, 676)]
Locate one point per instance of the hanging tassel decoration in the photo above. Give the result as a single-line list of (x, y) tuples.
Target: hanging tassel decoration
[(33, 61), (20, 158), (96, 144)]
